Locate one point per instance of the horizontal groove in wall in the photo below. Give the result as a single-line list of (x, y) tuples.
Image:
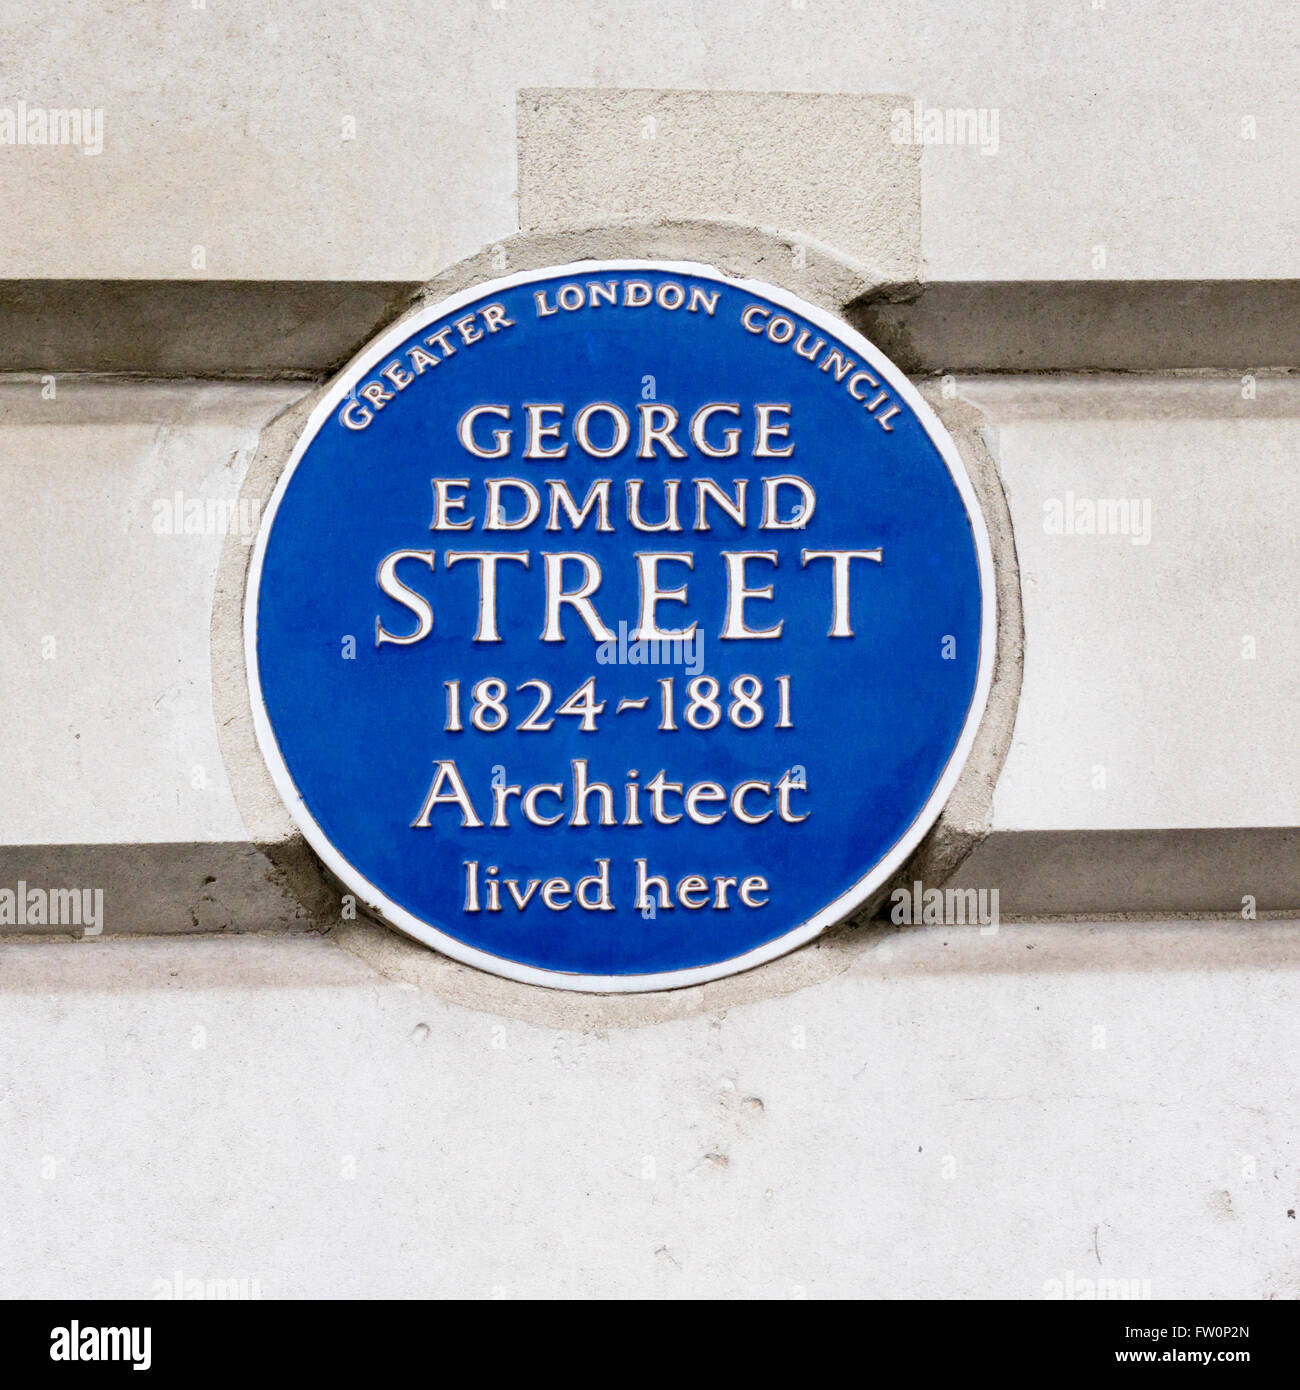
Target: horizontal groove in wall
[(1152, 873), (1089, 325), (192, 328), (160, 889), (307, 328), (235, 886)]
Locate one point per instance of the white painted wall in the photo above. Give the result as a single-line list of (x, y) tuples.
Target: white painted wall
[(1134, 663), (920, 1113), (1119, 126), (977, 1117), (1168, 658), (108, 722)]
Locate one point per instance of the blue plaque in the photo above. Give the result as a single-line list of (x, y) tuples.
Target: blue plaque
[(619, 626)]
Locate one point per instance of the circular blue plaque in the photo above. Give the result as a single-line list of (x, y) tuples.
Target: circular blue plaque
[(620, 625)]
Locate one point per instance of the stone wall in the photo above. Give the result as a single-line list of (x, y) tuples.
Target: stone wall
[(1093, 275)]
